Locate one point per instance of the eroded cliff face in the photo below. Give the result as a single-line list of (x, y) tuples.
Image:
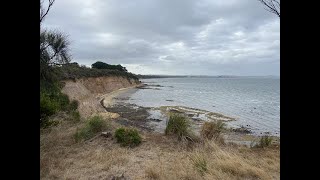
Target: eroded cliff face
[(88, 91)]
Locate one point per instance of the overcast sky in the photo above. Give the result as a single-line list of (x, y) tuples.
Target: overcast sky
[(184, 37)]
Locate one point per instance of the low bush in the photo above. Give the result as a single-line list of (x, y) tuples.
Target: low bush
[(75, 116), (92, 127), (128, 137), (73, 105), (47, 106), (264, 141), (211, 130)]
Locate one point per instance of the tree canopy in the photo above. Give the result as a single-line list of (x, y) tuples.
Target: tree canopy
[(102, 65)]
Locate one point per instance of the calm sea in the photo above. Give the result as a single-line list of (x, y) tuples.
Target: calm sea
[(253, 101)]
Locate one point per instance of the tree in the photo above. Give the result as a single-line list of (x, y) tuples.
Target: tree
[(272, 6), (44, 12), (102, 65), (53, 46)]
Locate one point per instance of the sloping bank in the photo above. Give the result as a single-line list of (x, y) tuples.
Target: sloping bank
[(89, 91)]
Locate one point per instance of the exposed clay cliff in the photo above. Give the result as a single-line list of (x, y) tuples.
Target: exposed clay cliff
[(89, 91)]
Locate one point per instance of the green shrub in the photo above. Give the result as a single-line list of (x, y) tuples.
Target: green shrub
[(45, 123), (128, 137), (83, 134), (211, 130), (97, 124), (71, 71), (75, 116), (265, 141), (92, 127), (178, 125), (47, 106), (63, 100), (73, 105)]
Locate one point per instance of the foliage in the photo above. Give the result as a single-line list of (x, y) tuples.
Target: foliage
[(128, 137), (75, 115), (93, 126), (264, 141), (178, 125), (211, 130), (102, 65), (53, 51), (73, 105), (74, 71), (51, 100)]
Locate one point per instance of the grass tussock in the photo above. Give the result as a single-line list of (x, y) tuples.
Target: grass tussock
[(265, 141), (128, 137), (199, 162), (151, 173), (179, 126), (93, 125), (160, 157), (212, 130)]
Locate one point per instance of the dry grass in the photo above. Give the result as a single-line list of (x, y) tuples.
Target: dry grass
[(211, 130), (158, 157)]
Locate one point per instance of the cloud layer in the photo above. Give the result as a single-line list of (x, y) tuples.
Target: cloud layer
[(203, 37)]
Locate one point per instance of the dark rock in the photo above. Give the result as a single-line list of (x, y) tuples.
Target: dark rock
[(174, 111), (196, 119), (190, 115), (242, 130), (122, 177), (156, 120), (106, 134)]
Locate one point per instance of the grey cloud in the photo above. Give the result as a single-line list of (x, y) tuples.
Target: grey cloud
[(172, 37)]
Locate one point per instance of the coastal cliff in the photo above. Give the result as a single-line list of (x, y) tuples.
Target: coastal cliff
[(88, 91)]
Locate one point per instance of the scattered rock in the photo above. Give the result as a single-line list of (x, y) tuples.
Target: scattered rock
[(156, 85), (242, 130), (191, 115), (156, 120), (174, 111), (106, 134), (196, 119), (122, 177)]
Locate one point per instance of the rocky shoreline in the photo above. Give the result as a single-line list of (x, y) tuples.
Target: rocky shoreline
[(154, 119)]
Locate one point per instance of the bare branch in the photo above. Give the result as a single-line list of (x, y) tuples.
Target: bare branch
[(43, 13), (272, 6)]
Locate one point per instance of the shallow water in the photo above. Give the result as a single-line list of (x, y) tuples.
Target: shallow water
[(253, 101)]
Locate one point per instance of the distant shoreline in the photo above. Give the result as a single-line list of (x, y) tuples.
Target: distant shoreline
[(202, 76)]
